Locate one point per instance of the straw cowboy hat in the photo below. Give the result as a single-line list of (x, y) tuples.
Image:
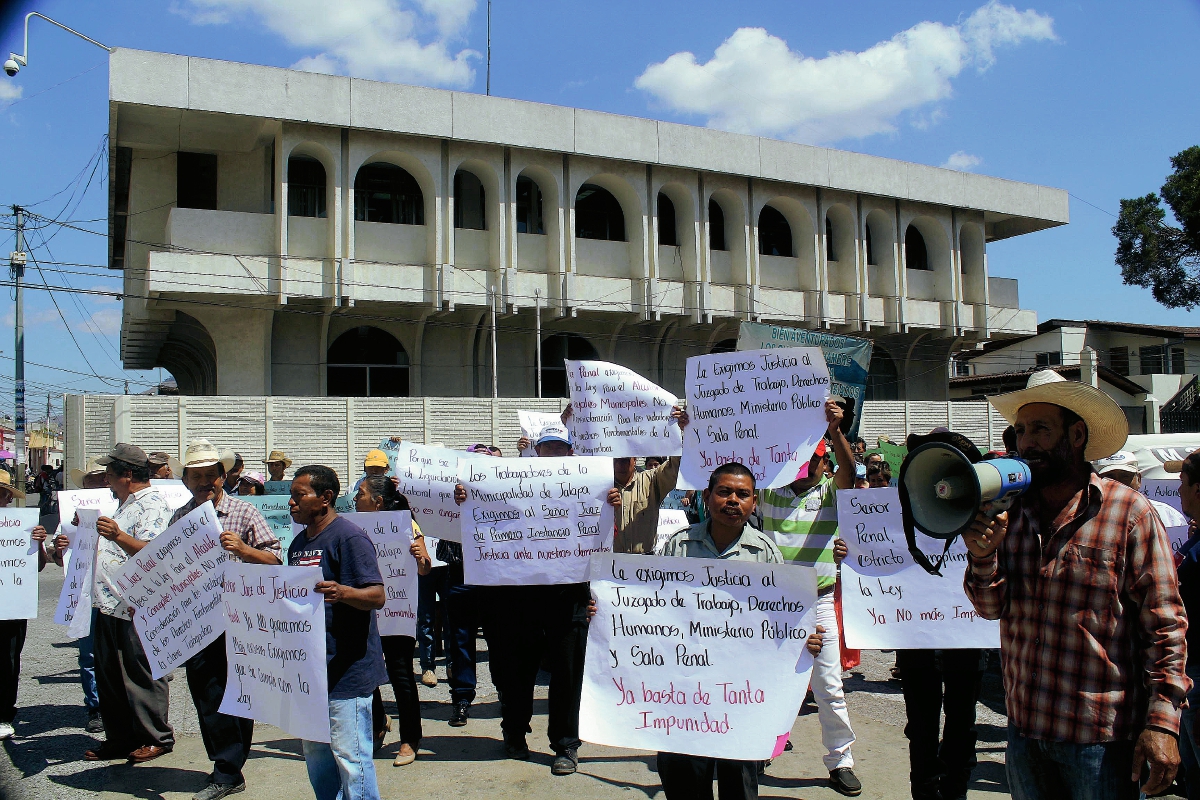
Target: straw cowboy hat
[(278, 455), (203, 453), (1106, 423), (7, 484), (77, 475)]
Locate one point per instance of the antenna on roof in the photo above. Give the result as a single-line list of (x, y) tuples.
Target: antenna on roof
[(489, 47)]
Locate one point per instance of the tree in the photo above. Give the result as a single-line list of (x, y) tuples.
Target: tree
[(1158, 256)]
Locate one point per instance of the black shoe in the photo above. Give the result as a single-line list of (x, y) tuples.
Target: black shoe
[(565, 762), (94, 723), (458, 717), (215, 791), (843, 781), (515, 748)]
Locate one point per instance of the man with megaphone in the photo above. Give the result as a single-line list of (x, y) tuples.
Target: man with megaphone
[(1080, 574)]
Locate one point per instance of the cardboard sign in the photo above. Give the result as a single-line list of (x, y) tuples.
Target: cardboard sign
[(532, 425), (617, 413), (391, 535), (761, 408), (534, 522), (870, 523), (699, 656), (275, 642), (75, 600), (275, 510), (669, 522), (18, 563), (174, 585)]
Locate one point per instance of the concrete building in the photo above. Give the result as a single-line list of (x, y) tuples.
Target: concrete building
[(289, 233), (1150, 370)]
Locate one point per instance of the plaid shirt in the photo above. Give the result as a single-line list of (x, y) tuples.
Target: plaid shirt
[(241, 518), (1091, 624)]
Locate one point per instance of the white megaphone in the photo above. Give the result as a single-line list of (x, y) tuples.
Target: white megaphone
[(945, 490)]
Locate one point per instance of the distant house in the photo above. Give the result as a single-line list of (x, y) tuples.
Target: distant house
[(1150, 370)]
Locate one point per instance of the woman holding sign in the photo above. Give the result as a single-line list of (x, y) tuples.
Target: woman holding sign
[(12, 631), (379, 493)]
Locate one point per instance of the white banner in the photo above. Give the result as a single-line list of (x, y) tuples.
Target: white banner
[(275, 641), (534, 522), (870, 523), (909, 609), (75, 600), (532, 425), (18, 563), (669, 521), (761, 408), (615, 412), (391, 534), (697, 656), (69, 501), (427, 476), (174, 586)]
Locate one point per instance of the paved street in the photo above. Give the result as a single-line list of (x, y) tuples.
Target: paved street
[(43, 760)]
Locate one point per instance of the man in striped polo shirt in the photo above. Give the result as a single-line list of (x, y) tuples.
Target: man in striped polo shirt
[(802, 516)]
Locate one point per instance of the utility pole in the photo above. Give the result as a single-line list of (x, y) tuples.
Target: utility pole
[(495, 366), (489, 48), (17, 266), (537, 300)]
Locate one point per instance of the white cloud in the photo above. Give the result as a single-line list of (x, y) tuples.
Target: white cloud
[(10, 91), (107, 321), (755, 84), (962, 161), (401, 40)]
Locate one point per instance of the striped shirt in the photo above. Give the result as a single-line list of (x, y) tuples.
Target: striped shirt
[(804, 526), (238, 516), (1091, 623)]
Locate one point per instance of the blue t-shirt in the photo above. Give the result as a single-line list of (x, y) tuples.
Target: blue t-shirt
[(352, 648)]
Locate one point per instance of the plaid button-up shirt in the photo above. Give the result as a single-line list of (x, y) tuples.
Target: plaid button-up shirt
[(1091, 624), (238, 516)]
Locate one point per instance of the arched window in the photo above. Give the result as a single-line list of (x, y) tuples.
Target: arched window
[(529, 207), (367, 362), (883, 381), (306, 187), (387, 193), (774, 233), (469, 202), (668, 234), (871, 262), (830, 249), (724, 346), (716, 226), (554, 372), (916, 256), (598, 215)]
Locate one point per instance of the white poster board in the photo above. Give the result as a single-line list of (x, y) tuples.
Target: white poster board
[(18, 563), (534, 522), (1164, 491), (391, 535), (427, 476), (174, 586), (69, 501), (532, 425), (75, 600), (761, 408), (669, 521), (173, 491), (699, 656), (275, 642), (615, 412), (888, 605)]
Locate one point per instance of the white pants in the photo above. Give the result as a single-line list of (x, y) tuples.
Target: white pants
[(836, 734)]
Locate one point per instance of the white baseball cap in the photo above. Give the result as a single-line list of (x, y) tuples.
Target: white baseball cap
[(1120, 461)]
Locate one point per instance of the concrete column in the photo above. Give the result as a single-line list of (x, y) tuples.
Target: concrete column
[(1153, 422), (1089, 367)]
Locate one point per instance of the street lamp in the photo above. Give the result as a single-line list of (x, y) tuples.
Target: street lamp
[(17, 262)]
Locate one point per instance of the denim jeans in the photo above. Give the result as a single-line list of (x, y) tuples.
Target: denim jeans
[(344, 769), (1189, 752), (1043, 770), (431, 592), (87, 668)]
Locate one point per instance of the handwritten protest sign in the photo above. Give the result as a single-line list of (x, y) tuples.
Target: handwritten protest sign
[(908, 608), (617, 413), (761, 408), (72, 500), (532, 425), (275, 511), (427, 476), (75, 600), (1164, 491), (534, 522), (174, 586), (18, 563), (870, 523), (698, 656), (173, 491), (391, 535), (669, 521), (275, 642)]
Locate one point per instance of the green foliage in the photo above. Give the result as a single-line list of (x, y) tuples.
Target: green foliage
[(1158, 256)]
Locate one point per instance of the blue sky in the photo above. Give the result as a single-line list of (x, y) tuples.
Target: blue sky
[(1092, 98)]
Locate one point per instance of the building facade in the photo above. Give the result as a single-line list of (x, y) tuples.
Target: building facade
[(290, 233)]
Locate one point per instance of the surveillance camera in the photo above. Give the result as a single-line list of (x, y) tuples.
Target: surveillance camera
[(11, 67)]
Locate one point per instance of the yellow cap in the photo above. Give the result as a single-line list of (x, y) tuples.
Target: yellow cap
[(376, 458)]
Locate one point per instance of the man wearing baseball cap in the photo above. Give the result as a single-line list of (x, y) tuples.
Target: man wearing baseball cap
[(132, 704), (1080, 574), (1123, 466)]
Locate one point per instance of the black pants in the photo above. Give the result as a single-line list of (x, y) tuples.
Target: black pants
[(934, 680), (398, 657), (12, 641), (691, 777), (133, 705), (226, 739), (551, 620)]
